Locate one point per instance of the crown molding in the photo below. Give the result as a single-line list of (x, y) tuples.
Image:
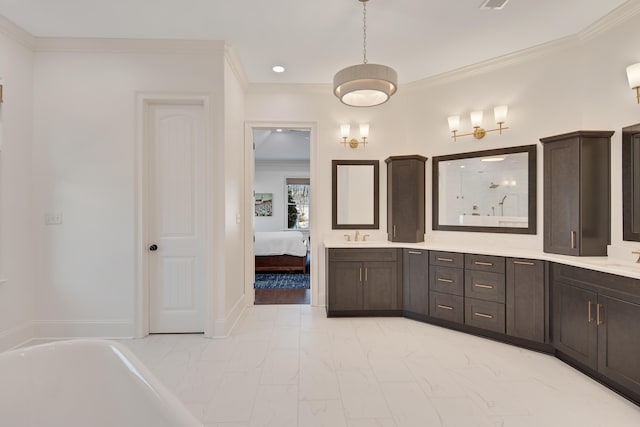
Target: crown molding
[(236, 66), (149, 46), (17, 33), (525, 55), (316, 88), (615, 18), (619, 15)]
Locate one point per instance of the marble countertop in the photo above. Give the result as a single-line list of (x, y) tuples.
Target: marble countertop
[(603, 264)]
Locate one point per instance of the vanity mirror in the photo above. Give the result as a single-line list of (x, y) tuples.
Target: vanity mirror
[(355, 193), (631, 183), (490, 191)]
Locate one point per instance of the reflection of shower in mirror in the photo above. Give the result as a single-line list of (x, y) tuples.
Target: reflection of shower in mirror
[(501, 203)]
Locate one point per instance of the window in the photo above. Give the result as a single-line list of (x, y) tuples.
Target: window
[(297, 203)]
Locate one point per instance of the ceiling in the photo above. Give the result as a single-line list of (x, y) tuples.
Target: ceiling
[(282, 144), (313, 40)]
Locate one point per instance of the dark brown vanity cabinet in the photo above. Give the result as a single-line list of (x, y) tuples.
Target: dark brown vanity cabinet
[(595, 323), (405, 198), (526, 299), (415, 282), (484, 292), (364, 281), (577, 193), (446, 286)]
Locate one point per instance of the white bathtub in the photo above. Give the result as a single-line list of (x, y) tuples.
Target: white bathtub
[(84, 383)]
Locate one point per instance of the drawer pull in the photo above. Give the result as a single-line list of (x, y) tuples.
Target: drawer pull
[(446, 307), (440, 279), (415, 253), (478, 285), (445, 259), (524, 263), (486, 316), (488, 264)]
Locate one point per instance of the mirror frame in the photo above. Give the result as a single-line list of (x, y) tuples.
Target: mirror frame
[(376, 194), (532, 184), (629, 133)]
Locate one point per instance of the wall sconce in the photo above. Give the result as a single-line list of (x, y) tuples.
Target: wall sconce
[(633, 75), (353, 142), (499, 113)]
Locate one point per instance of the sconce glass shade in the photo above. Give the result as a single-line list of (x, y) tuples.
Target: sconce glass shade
[(454, 123), (633, 75), (476, 118), (365, 85), (364, 130), (500, 113), (344, 131)]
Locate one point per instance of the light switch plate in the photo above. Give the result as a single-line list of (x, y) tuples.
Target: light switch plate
[(53, 218)]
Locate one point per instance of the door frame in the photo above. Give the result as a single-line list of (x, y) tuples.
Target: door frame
[(249, 274), (141, 298)]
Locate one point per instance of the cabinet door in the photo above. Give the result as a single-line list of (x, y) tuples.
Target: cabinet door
[(619, 341), (562, 197), (415, 280), (574, 325), (345, 286), (405, 198), (381, 286), (525, 299)]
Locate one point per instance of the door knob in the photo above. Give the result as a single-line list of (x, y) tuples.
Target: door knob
[(153, 248)]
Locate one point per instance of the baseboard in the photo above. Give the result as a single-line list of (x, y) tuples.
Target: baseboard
[(223, 327), (16, 336), (61, 329)]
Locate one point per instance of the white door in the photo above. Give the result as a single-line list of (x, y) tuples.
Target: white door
[(175, 153)]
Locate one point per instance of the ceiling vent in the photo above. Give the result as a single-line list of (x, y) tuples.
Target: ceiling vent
[(494, 4)]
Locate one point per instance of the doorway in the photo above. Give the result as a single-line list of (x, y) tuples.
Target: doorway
[(282, 215)]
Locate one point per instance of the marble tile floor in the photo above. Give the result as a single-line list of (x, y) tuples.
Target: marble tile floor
[(289, 365)]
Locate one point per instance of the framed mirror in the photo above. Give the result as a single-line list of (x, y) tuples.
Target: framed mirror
[(631, 183), (355, 191), (491, 191)]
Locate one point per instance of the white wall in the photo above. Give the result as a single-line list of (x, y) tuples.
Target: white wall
[(16, 244), (235, 298), (84, 167), (270, 177), (577, 83)]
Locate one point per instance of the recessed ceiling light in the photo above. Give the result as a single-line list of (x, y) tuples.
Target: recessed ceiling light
[(278, 68), (278, 130)]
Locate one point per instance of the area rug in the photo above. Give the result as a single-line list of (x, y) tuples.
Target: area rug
[(281, 281)]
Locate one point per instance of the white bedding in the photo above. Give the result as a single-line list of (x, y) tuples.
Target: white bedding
[(280, 243)]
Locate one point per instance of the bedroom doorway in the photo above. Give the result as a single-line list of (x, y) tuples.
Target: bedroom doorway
[(282, 215)]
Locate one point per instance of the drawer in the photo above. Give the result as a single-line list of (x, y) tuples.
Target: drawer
[(357, 254), (446, 307), (494, 264), (484, 314), (446, 280), (446, 259), (485, 286)]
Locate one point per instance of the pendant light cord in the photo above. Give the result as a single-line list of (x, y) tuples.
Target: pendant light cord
[(364, 31)]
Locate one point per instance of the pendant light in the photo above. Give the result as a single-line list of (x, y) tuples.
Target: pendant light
[(365, 85)]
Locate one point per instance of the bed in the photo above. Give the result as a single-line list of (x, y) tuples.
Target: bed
[(280, 251)]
